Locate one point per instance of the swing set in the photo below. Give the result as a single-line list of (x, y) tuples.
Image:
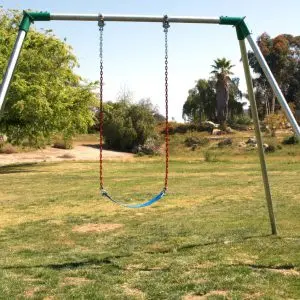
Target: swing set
[(242, 32)]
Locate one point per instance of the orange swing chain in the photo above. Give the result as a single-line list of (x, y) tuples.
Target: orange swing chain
[(101, 114), (166, 26)]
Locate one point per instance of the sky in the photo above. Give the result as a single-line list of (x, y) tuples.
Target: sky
[(134, 52)]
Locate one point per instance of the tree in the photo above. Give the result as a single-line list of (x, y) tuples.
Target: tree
[(46, 97), (222, 70), (201, 102), (282, 54)]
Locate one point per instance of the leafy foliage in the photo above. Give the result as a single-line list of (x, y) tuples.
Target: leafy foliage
[(290, 140), (282, 54), (45, 96), (128, 125), (201, 102), (277, 120)]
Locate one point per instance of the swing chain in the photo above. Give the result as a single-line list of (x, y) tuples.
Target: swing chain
[(166, 26), (101, 116)]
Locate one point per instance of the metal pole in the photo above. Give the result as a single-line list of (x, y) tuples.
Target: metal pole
[(11, 67), (273, 84), (258, 135), (133, 18)]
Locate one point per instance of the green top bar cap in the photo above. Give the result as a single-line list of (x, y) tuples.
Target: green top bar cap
[(242, 30), (30, 17)]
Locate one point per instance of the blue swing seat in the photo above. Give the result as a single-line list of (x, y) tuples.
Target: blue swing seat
[(139, 205)]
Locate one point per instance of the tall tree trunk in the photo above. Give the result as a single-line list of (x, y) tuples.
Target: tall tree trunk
[(273, 104), (222, 101), (267, 107)]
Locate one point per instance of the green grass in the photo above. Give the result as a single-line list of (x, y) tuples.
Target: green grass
[(208, 237)]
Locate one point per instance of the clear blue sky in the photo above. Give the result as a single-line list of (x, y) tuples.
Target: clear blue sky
[(134, 51)]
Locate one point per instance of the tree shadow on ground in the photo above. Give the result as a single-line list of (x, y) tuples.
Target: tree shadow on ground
[(208, 243), (71, 265), (19, 168)]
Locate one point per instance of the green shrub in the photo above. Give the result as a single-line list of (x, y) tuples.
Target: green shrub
[(225, 142), (210, 157), (127, 125), (270, 149), (192, 141), (184, 128), (63, 145), (241, 122), (290, 140)]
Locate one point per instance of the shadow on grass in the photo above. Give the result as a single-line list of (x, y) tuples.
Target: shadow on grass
[(18, 168), (269, 267), (197, 245), (72, 265)]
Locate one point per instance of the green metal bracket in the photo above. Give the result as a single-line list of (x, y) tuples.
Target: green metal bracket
[(30, 17), (242, 30)]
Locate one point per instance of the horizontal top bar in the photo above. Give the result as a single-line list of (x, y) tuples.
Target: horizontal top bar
[(134, 18)]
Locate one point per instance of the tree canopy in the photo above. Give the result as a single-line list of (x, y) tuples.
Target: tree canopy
[(201, 103), (46, 97), (282, 54)]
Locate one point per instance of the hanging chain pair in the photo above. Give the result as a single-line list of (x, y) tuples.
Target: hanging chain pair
[(101, 116), (166, 26)]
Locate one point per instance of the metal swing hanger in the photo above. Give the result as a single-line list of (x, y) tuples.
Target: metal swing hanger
[(103, 192)]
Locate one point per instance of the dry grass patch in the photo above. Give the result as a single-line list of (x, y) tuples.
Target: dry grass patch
[(134, 293), (290, 272), (76, 281), (205, 265), (204, 297), (90, 227), (30, 292), (141, 267), (243, 258)]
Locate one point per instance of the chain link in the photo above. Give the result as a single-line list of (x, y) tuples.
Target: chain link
[(101, 115), (166, 26)]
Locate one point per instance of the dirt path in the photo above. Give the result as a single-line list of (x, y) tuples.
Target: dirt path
[(79, 152)]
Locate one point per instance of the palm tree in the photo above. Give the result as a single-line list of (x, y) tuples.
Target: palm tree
[(221, 70)]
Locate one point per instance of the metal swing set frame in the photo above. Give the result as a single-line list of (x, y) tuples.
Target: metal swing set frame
[(242, 33)]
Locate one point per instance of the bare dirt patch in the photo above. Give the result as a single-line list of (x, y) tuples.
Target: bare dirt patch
[(30, 292), (49, 154), (86, 228)]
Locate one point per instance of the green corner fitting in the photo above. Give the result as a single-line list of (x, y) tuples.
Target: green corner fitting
[(30, 17), (242, 30)]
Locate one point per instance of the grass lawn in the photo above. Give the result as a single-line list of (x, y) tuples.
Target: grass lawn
[(209, 238)]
